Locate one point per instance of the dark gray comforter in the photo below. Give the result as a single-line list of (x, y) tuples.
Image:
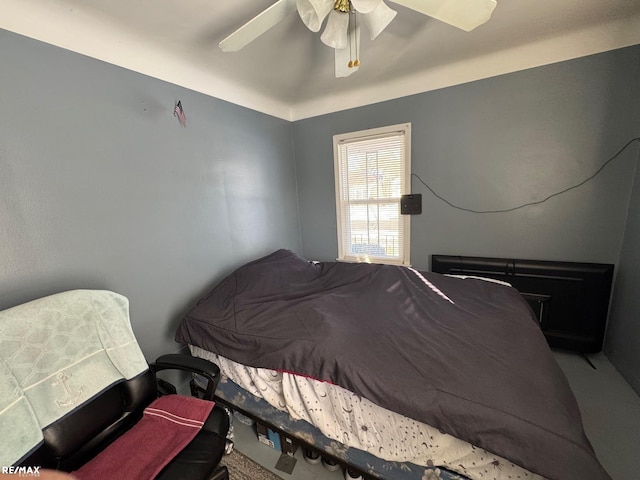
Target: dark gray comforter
[(466, 356)]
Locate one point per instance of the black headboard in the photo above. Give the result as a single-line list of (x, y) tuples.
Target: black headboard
[(571, 300)]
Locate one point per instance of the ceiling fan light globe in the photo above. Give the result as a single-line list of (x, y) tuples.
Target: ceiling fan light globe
[(365, 6), (378, 19), (335, 33), (313, 12)]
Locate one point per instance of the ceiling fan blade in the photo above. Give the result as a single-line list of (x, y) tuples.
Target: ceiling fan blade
[(464, 14), (258, 25)]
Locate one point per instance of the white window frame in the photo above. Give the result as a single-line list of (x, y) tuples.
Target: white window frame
[(342, 200)]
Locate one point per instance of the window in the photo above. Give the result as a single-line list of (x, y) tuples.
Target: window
[(372, 171)]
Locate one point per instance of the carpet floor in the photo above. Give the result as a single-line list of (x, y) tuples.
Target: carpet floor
[(242, 467)]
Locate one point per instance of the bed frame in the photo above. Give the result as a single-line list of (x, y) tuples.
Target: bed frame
[(570, 300)]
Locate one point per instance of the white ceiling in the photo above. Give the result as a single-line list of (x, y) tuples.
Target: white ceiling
[(289, 73)]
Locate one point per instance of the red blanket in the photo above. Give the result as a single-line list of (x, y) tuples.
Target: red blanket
[(168, 425)]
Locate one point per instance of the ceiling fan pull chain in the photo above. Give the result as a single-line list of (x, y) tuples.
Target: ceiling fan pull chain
[(356, 63), (350, 39), (353, 41)]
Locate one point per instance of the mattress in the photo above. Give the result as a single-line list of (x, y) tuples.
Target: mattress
[(358, 423)]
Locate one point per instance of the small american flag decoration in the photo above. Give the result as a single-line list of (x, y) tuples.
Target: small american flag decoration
[(179, 112)]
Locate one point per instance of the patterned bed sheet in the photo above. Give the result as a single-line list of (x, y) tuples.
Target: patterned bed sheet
[(372, 439)]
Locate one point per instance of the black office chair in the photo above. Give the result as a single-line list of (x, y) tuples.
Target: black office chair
[(82, 434)]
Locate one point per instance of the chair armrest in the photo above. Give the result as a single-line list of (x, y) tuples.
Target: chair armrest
[(199, 366)]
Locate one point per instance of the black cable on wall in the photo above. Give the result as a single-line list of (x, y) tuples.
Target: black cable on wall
[(577, 185)]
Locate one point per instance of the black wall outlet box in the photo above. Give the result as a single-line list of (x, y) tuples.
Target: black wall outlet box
[(411, 204)]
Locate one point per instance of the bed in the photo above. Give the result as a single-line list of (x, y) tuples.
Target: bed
[(443, 377)]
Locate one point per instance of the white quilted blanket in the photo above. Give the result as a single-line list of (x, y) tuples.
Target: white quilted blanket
[(56, 353)]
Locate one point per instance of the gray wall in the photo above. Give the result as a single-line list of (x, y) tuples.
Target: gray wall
[(503, 142), (100, 187), (623, 336), (495, 144)]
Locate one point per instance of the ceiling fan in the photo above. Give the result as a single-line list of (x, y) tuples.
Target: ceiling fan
[(342, 30)]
